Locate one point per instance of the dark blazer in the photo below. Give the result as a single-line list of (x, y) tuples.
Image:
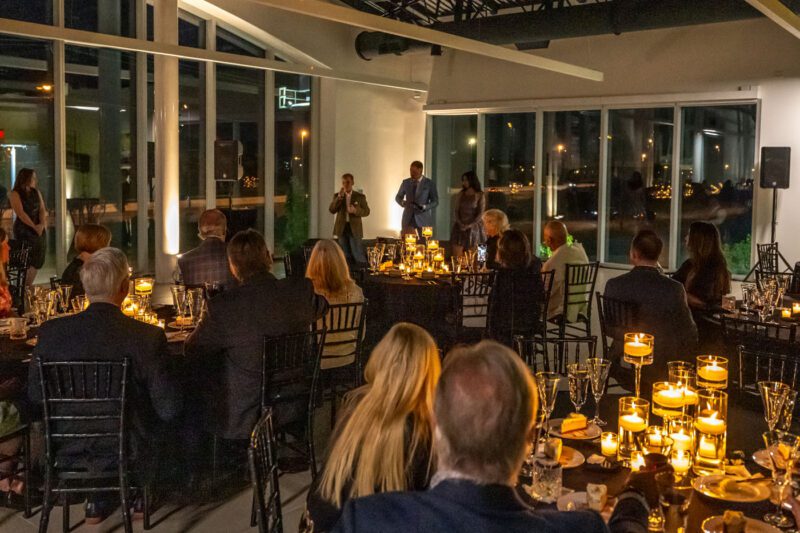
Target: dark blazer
[(663, 312), (208, 263), (226, 348), (102, 332), (464, 506), (339, 208), (418, 207), (517, 302), (72, 276)]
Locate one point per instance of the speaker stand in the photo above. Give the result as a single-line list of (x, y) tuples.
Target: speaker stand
[(771, 235)]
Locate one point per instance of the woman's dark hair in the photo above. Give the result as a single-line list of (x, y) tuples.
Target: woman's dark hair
[(24, 179), (248, 253), (472, 180), (705, 249), (514, 249)]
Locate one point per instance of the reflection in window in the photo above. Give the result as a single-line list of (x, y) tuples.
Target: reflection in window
[(639, 178), (510, 167), (717, 170), (571, 177), (192, 150), (115, 17), (454, 152)]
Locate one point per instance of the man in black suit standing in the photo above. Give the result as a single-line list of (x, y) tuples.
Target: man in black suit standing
[(485, 412), (228, 343), (662, 308), (103, 333), (208, 263)]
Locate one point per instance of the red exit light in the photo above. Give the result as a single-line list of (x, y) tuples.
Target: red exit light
[(2, 134)]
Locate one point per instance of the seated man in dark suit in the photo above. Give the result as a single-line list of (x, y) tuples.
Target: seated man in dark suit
[(485, 412), (208, 263), (663, 310), (103, 333), (229, 341)]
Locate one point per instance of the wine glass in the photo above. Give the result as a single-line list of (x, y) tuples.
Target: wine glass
[(547, 382), (578, 378), (598, 374), (773, 395), (783, 451), (64, 292), (785, 417)]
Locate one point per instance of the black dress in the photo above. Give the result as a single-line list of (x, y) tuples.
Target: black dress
[(518, 302), (491, 252), (72, 276), (31, 204)]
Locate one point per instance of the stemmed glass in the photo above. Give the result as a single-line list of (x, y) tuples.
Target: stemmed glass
[(773, 395), (64, 292), (578, 378), (779, 443), (598, 374), (748, 294), (785, 417), (638, 351), (547, 382)]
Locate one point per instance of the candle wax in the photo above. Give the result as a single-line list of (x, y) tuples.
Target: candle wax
[(706, 448), (681, 463), (637, 349), (713, 372), (609, 445), (669, 397), (632, 422), (710, 425), (681, 441)]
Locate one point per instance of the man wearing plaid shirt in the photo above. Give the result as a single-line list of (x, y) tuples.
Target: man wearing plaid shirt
[(208, 263)]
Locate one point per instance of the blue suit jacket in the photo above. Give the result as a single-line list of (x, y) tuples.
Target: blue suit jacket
[(464, 506), (427, 198)]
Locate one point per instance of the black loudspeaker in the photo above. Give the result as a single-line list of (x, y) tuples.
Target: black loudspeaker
[(775, 167), (227, 160)]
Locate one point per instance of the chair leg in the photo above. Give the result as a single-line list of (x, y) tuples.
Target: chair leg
[(333, 405), (146, 496), (47, 503), (26, 462), (65, 510), (253, 515), (125, 503), (214, 445)]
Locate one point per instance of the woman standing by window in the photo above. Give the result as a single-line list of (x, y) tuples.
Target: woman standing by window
[(470, 204), (30, 223)]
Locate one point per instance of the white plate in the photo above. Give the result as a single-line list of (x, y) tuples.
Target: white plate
[(714, 525), (592, 431), (570, 457), (761, 457), (578, 501), (725, 488)]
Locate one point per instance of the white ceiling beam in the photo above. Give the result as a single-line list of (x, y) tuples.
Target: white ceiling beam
[(778, 13), (88, 38), (353, 17)]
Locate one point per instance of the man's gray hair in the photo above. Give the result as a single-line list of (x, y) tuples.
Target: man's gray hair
[(104, 273)]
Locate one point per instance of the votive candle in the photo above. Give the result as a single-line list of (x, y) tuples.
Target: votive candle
[(786, 312), (796, 309), (637, 460), (608, 443), (681, 461)]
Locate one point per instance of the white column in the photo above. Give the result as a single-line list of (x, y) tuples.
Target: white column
[(166, 126), (537, 180), (675, 207), (602, 197), (60, 143), (210, 102), (328, 180), (313, 178), (142, 185)]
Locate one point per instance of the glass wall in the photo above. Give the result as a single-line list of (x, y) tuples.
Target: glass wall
[(639, 178), (509, 168), (717, 172), (455, 140), (115, 17), (192, 186), (571, 173), (40, 11)]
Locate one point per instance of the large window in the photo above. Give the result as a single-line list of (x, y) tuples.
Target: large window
[(717, 170), (571, 173), (40, 11), (454, 152), (509, 167), (639, 178), (192, 186), (116, 17)]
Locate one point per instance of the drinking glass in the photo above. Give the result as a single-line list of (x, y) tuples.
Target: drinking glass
[(773, 396), (547, 480), (391, 251), (547, 382), (785, 417), (598, 374), (748, 295), (578, 378), (18, 328), (196, 304), (638, 351), (677, 369), (674, 505), (469, 256), (64, 292), (78, 303), (776, 442)]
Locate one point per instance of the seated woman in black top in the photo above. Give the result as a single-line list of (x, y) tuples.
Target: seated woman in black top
[(383, 441), (88, 239), (518, 297), (705, 274), (495, 222)]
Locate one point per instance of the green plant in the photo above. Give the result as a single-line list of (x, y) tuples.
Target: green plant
[(738, 255), (297, 211)]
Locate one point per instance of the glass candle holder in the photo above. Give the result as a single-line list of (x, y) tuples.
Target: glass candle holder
[(681, 431), (681, 462), (795, 309), (609, 442), (710, 430), (411, 239), (637, 461), (668, 399), (786, 312), (427, 232), (634, 414), (655, 440), (638, 351), (675, 369), (143, 286), (712, 372), (433, 245)]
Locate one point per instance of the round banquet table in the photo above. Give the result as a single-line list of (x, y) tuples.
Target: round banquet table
[(427, 303), (745, 428)]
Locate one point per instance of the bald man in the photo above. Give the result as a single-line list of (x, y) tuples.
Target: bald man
[(208, 263), (555, 237)]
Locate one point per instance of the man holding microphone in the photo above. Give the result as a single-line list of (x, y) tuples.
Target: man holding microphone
[(349, 206)]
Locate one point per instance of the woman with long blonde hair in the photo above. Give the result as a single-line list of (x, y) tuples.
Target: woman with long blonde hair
[(383, 442)]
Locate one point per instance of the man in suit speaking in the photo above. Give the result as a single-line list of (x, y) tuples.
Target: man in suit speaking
[(418, 197), (350, 207)]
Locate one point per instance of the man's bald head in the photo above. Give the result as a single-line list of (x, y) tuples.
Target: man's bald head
[(555, 234), (212, 223)]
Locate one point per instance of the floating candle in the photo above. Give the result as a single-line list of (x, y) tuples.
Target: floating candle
[(796, 309), (681, 461), (711, 425), (681, 441), (637, 348), (786, 312), (713, 372), (707, 448), (633, 423), (609, 443), (637, 461), (671, 397)]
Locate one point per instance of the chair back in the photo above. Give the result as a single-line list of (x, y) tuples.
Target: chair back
[(579, 283), (263, 459), (768, 257), (755, 366), (794, 288), (755, 335), (616, 317), (17, 272), (553, 355), (474, 298), (344, 325), (547, 289)]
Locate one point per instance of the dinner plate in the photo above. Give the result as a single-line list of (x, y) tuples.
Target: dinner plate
[(32, 342), (761, 457), (725, 488), (714, 524), (570, 457), (175, 325), (592, 431), (576, 501)]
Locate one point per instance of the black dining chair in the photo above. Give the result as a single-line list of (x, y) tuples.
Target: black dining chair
[(263, 459), (755, 366), (616, 318), (755, 335), (20, 464), (547, 285), (474, 299), (19, 261), (554, 355), (85, 402), (579, 282)]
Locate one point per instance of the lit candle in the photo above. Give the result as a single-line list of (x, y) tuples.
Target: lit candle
[(711, 425), (671, 397), (433, 245), (161, 324), (427, 231), (786, 312), (632, 422), (707, 448), (796, 309), (689, 396), (681, 441), (446, 268), (637, 460), (438, 257), (609, 443), (681, 461), (411, 239), (636, 348), (430, 269), (713, 372), (144, 286), (402, 267)]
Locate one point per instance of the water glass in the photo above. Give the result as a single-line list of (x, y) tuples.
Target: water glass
[(18, 328), (547, 480)]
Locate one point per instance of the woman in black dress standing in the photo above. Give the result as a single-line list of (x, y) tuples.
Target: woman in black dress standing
[(31, 219), (470, 204)]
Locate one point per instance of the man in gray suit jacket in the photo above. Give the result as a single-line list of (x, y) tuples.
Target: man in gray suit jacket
[(350, 207), (418, 197)]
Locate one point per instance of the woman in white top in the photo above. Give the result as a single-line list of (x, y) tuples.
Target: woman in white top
[(328, 271)]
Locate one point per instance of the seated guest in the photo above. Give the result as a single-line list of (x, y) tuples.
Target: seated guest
[(103, 333), (5, 247), (6, 301), (661, 301), (495, 222), (518, 289), (208, 263), (484, 415), (555, 237), (88, 239), (229, 341), (328, 271), (705, 274), (383, 442)]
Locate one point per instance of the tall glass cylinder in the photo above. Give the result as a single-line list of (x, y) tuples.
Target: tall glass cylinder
[(634, 416), (681, 431), (686, 380), (710, 430), (638, 351), (712, 372), (668, 399)]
